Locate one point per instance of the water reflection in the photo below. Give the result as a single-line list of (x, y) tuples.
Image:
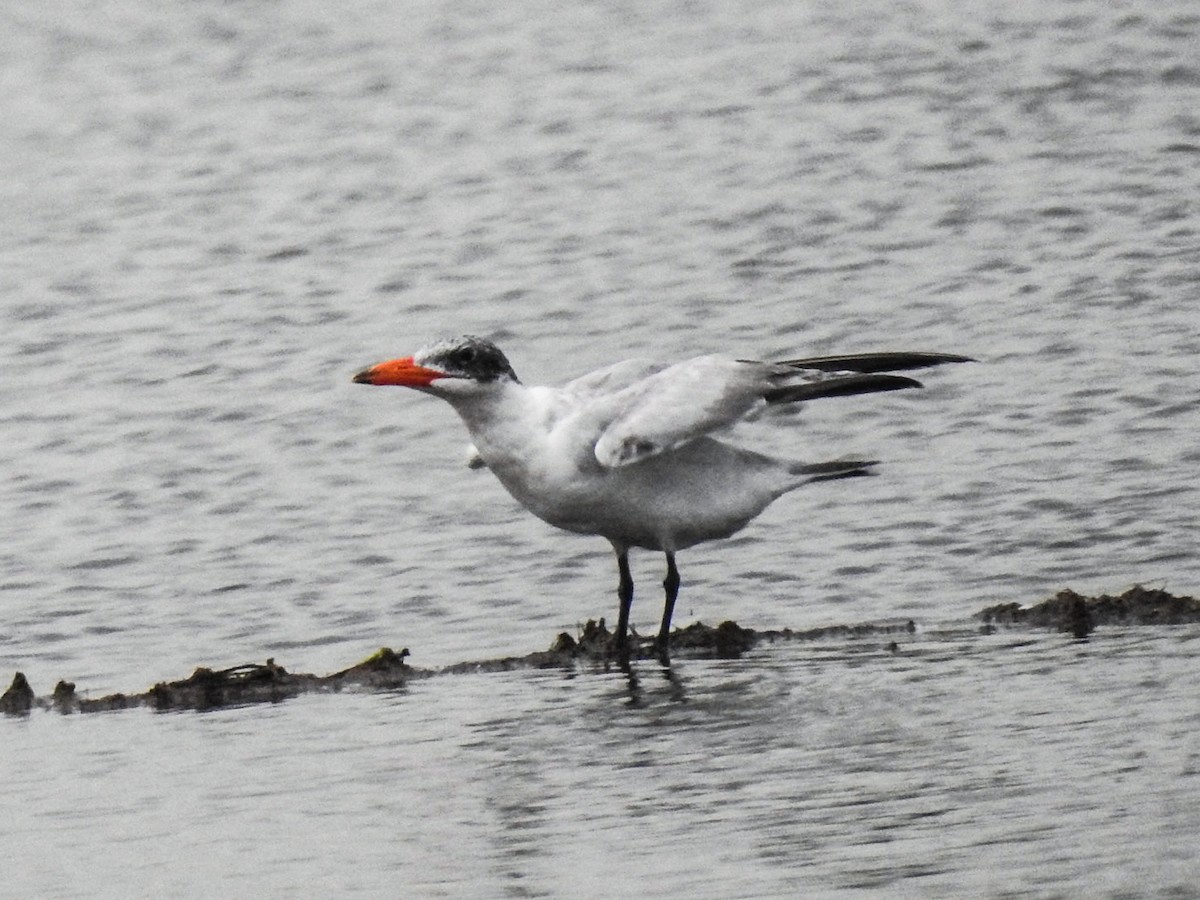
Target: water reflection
[(655, 671)]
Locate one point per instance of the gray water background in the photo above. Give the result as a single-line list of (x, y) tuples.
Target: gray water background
[(213, 214)]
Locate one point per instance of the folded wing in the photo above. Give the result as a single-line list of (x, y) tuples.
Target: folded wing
[(679, 404), (641, 409)]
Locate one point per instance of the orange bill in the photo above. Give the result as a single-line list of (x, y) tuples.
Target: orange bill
[(403, 372)]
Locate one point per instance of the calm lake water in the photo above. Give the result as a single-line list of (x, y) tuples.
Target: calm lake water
[(212, 215)]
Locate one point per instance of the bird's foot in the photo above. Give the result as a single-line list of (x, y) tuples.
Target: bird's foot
[(662, 649)]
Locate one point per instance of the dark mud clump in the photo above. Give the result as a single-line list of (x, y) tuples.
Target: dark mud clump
[(594, 645), (18, 699), (592, 648), (727, 641), (1071, 612), (270, 682), (215, 688)]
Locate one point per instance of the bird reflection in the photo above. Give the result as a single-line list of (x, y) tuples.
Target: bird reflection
[(636, 692)]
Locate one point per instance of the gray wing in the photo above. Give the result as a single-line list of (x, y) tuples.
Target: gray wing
[(678, 404), (610, 379), (637, 409)]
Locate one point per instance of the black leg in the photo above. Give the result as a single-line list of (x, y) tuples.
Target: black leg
[(625, 595), (671, 586)]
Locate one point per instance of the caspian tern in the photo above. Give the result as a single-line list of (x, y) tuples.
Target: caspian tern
[(627, 452)]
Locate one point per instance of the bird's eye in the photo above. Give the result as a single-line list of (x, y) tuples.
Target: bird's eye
[(466, 355)]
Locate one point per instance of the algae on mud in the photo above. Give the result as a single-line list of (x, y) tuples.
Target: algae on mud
[(1069, 611), (1066, 611)]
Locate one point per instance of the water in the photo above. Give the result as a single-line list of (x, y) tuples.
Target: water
[(958, 767), (213, 216)]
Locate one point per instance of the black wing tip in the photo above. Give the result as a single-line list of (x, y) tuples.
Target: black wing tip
[(836, 469), (890, 361), (841, 386)]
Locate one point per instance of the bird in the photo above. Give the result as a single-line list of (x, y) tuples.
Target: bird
[(633, 452)]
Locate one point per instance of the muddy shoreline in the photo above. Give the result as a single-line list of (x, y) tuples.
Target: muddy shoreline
[(387, 669)]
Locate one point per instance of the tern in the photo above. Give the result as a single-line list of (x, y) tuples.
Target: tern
[(628, 452)]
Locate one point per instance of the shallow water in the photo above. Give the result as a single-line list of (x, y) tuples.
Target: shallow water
[(212, 219), (957, 767)]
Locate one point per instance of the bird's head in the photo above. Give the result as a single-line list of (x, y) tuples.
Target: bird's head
[(449, 368)]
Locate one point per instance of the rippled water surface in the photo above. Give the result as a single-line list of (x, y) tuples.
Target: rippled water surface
[(213, 215)]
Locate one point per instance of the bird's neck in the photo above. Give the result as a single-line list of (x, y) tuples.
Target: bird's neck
[(501, 420)]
